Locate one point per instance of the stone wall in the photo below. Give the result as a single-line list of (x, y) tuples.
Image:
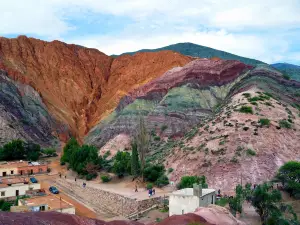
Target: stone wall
[(106, 201)]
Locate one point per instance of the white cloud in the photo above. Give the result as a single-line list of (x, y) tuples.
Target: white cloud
[(251, 28), (31, 17)]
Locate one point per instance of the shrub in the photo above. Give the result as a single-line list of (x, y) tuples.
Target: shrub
[(62, 163), (222, 202), (162, 181), (285, 124), (234, 160), (222, 142), (247, 95), (105, 178), (250, 152), (153, 172), (245, 128), (170, 170), (91, 176), (286, 76), (246, 109), (149, 186), (188, 181), (156, 138), (290, 120), (163, 128), (49, 152), (264, 121)]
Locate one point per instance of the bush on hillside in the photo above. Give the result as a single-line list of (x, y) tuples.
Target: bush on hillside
[(285, 124), (264, 121), (246, 109)]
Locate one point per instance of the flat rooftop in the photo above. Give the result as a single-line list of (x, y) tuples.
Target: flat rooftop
[(16, 164), (190, 192), (53, 202)]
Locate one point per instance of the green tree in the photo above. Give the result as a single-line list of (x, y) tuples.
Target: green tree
[(188, 181), (71, 146), (122, 163), (289, 176), (33, 151), (49, 152), (266, 201), (142, 140), (134, 160), (13, 150), (236, 203)]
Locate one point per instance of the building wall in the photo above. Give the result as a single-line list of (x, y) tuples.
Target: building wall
[(8, 171), (10, 191), (181, 204), (207, 199), (32, 169), (68, 210)]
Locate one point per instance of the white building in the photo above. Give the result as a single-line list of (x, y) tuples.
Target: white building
[(13, 187), (44, 203), (189, 199)]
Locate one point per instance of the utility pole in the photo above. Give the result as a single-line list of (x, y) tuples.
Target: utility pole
[(60, 204)]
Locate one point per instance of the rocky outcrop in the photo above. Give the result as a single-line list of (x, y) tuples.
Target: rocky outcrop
[(80, 85), (23, 115), (177, 100)]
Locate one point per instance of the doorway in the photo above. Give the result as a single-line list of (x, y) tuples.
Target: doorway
[(17, 192), (4, 174)]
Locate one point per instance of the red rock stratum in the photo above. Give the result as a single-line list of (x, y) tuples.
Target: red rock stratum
[(80, 85)]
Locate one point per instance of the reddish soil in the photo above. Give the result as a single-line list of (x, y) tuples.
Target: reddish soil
[(80, 85)]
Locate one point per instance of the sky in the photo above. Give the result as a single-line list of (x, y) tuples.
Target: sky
[(267, 30)]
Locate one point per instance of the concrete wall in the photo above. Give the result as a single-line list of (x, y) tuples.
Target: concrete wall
[(68, 210), (30, 169), (105, 201), (10, 191), (180, 204), (207, 199), (8, 171)]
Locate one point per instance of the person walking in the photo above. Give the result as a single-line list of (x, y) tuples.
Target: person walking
[(153, 191), (136, 189)]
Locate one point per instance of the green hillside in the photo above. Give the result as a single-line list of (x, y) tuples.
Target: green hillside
[(292, 70), (201, 52)]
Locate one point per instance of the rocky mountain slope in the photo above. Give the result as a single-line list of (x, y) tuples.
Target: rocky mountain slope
[(197, 111), (200, 51), (23, 115), (193, 115), (80, 85), (289, 69)]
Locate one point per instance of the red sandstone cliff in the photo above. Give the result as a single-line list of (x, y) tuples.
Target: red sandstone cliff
[(80, 85)]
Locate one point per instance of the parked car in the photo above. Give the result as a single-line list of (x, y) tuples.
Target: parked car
[(33, 180), (53, 190)]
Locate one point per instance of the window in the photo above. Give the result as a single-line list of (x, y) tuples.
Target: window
[(40, 170), (42, 208), (2, 193), (11, 172)]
